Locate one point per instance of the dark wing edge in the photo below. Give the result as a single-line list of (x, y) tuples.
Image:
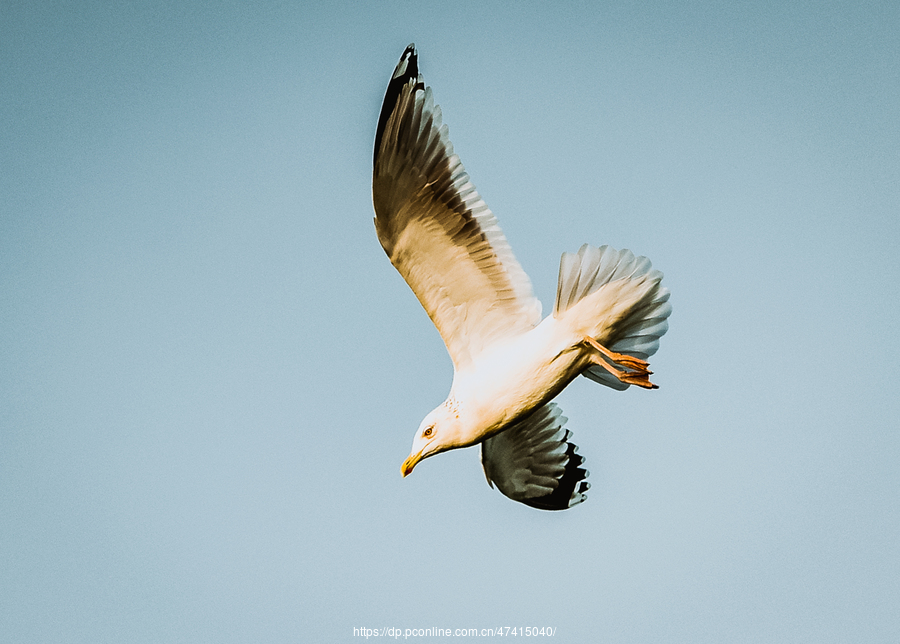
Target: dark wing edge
[(534, 463), (407, 69)]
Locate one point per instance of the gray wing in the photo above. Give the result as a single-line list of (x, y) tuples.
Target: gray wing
[(436, 229), (532, 462)]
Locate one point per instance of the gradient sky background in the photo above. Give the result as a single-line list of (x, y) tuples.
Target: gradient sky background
[(210, 373)]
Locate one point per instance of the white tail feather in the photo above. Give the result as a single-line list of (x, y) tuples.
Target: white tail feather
[(638, 330)]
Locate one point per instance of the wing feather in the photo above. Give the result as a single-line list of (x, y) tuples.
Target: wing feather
[(437, 230), (533, 462)]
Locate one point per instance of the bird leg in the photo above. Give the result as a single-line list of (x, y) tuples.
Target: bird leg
[(635, 372)]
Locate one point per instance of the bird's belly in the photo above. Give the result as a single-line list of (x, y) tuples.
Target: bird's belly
[(512, 381)]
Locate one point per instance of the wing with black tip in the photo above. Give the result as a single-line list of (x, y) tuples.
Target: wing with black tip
[(436, 229), (534, 463)]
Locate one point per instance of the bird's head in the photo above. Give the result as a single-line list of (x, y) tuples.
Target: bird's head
[(439, 431)]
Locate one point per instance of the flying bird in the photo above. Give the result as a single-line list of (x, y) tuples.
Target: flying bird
[(508, 363)]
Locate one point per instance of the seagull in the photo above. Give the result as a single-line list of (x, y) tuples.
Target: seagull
[(508, 363)]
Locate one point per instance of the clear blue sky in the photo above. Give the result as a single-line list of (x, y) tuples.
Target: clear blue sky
[(210, 373)]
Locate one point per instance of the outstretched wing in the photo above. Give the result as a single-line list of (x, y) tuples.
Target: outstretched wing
[(436, 229), (534, 463)]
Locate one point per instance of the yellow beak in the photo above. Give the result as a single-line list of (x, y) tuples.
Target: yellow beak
[(410, 463)]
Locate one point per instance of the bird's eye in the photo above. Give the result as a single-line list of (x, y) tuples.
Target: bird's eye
[(428, 432)]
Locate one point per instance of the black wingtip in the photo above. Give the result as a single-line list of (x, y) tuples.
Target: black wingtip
[(407, 68), (572, 485)]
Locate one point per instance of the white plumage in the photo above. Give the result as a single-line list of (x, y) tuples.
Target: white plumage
[(609, 314)]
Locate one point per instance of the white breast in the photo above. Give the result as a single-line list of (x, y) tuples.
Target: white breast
[(515, 376)]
